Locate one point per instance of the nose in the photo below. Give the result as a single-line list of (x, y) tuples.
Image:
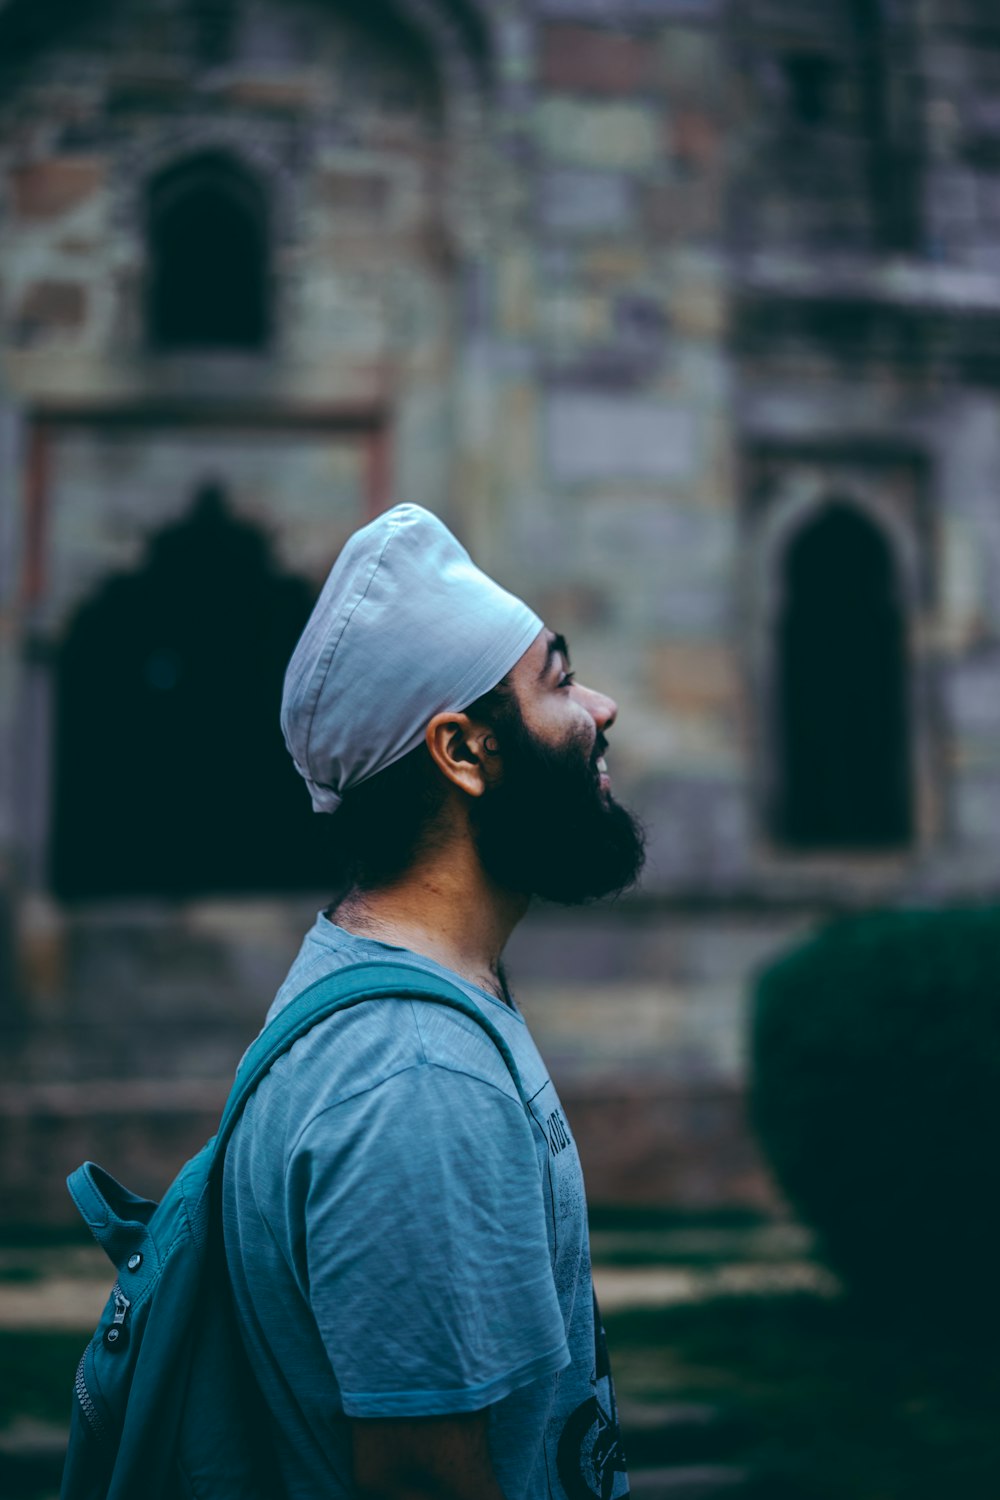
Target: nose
[(602, 709)]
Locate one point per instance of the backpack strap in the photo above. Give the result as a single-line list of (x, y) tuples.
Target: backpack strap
[(346, 987)]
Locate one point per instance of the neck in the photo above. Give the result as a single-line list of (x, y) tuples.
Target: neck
[(446, 908)]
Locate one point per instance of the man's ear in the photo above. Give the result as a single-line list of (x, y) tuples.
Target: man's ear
[(462, 750)]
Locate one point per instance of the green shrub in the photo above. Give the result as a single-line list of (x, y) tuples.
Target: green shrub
[(875, 1092)]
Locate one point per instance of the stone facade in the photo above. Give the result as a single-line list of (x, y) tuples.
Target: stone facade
[(629, 293)]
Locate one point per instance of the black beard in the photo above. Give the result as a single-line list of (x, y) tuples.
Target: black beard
[(546, 828)]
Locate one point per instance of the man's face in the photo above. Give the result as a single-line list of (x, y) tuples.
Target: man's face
[(548, 825)]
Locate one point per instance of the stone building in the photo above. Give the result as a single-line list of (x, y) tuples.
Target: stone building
[(684, 314)]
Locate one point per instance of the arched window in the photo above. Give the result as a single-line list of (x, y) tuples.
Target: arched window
[(171, 775), (844, 765), (208, 253)]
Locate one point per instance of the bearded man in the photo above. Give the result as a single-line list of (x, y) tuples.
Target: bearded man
[(407, 1243)]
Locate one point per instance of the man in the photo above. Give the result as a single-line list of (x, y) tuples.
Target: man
[(408, 1248)]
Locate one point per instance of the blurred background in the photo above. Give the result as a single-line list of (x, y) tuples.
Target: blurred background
[(685, 315)]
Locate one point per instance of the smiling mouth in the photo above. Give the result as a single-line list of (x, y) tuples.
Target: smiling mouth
[(603, 779)]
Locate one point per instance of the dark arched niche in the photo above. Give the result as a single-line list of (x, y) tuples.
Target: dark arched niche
[(171, 776), (844, 764), (209, 257)]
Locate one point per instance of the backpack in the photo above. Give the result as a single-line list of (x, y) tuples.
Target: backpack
[(165, 1404)]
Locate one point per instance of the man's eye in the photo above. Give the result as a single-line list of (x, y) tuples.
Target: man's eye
[(567, 679)]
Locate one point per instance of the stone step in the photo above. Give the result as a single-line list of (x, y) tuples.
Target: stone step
[(694, 1482), (663, 1433), (31, 1459)]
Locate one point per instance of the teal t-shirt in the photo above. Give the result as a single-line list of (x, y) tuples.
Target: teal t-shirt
[(405, 1240)]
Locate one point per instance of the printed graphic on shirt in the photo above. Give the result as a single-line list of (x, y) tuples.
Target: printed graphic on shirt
[(590, 1457), (556, 1133)]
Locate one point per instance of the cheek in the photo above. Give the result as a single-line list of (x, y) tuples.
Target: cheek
[(584, 722), (561, 722), (559, 718), (581, 733)]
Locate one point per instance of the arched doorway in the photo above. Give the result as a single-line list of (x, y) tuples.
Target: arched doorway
[(207, 236), (171, 777), (843, 741)]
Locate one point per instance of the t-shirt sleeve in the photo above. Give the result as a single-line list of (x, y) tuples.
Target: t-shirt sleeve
[(428, 1260)]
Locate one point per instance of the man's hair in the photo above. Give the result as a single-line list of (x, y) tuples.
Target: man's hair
[(382, 825)]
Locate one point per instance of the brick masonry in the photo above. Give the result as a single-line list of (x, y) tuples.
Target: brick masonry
[(51, 188), (595, 60), (627, 318)]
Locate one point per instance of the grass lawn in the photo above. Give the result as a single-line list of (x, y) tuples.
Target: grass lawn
[(36, 1374), (830, 1405), (823, 1403)]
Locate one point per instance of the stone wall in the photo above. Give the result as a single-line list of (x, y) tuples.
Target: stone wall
[(138, 1016), (620, 292)]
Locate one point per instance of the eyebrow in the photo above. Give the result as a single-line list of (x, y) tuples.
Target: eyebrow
[(556, 647)]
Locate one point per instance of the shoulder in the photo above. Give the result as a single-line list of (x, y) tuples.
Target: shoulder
[(364, 1048)]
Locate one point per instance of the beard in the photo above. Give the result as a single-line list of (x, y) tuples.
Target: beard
[(547, 829)]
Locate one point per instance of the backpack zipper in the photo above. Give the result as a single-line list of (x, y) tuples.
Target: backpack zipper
[(112, 1333), (122, 1304), (116, 1334), (87, 1405)]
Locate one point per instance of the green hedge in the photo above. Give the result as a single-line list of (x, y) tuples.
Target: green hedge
[(875, 1092)]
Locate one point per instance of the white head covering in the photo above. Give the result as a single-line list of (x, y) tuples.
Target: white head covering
[(406, 627)]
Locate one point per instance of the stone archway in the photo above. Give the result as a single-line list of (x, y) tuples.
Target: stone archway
[(843, 733), (171, 778), (209, 248), (791, 490)]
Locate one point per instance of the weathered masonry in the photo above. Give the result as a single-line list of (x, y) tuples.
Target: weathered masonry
[(684, 314)]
